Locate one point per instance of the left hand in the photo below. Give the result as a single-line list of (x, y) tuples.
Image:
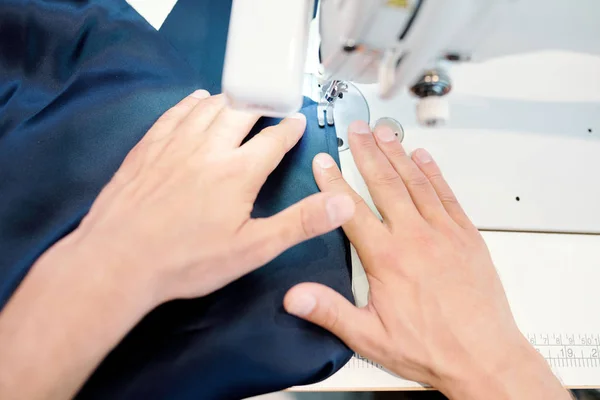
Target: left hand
[(174, 222), (177, 213)]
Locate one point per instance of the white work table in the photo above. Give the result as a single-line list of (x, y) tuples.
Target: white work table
[(525, 127)]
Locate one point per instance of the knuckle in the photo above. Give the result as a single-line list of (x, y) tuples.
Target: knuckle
[(386, 178), (434, 174), (395, 150), (417, 180), (448, 198), (334, 179), (306, 223), (358, 200), (363, 143), (386, 253), (386, 256), (168, 116), (181, 108), (278, 141), (331, 318), (445, 193)]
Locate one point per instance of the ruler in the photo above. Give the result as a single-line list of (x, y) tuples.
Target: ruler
[(561, 350), (568, 350), (573, 357)]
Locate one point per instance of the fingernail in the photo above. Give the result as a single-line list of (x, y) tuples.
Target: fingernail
[(340, 209), (360, 127), (299, 116), (422, 156), (200, 94), (324, 161), (302, 304), (385, 134)]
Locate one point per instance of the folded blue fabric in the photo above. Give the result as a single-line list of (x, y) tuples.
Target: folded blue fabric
[(81, 81)]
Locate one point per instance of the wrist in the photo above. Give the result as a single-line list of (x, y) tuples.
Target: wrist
[(518, 371), (92, 262), (73, 307)]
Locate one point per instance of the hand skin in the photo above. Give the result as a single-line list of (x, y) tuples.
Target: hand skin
[(174, 222), (437, 311)]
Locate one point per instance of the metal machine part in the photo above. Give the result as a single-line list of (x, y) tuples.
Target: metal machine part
[(434, 82), (392, 41), (431, 89), (393, 124), (330, 93), (339, 103)]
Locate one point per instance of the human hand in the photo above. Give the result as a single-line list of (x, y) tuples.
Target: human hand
[(177, 213), (437, 311)]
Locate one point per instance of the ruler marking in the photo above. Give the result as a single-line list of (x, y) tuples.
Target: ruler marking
[(570, 345), (559, 350)]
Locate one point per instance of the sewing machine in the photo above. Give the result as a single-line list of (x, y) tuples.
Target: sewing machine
[(396, 43)]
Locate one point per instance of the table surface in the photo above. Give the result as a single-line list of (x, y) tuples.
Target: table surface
[(512, 134)]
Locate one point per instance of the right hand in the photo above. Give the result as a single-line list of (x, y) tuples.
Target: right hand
[(437, 311)]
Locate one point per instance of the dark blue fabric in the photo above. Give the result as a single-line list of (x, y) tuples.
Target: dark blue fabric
[(81, 81), (198, 29)]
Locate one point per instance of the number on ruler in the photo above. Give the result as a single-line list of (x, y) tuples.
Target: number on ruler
[(568, 353), (586, 340)]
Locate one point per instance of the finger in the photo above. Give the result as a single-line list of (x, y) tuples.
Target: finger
[(229, 128), (200, 118), (323, 306), (264, 152), (364, 230), (431, 170), (421, 191), (385, 185), (173, 117), (318, 214)]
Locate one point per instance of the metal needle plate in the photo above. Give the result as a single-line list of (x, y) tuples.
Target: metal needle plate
[(352, 107)]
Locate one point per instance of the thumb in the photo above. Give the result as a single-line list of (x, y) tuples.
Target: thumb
[(327, 308), (309, 218)]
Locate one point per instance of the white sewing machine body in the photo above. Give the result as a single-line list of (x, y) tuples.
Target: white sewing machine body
[(537, 177), (397, 44)]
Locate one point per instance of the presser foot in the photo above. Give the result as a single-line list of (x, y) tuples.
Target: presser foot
[(339, 104)]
